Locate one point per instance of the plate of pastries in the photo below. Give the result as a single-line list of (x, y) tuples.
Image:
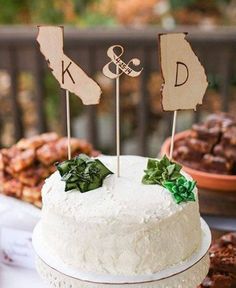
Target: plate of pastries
[(25, 165), (222, 272), (208, 152)]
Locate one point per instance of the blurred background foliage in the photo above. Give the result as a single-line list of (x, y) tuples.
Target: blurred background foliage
[(116, 12)]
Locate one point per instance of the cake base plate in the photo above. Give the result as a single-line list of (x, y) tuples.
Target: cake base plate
[(190, 278), (45, 254)]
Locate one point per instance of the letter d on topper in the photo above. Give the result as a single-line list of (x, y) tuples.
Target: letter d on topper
[(179, 82)]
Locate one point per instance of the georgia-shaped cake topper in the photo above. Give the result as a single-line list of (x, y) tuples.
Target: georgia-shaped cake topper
[(121, 67), (185, 81), (70, 76)]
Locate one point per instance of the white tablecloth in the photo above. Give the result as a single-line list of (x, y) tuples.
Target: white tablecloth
[(15, 277), (17, 215)]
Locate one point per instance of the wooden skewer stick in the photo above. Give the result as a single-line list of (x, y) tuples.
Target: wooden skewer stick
[(68, 123), (118, 121), (173, 134)]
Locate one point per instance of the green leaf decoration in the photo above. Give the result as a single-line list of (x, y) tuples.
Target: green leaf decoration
[(83, 173), (167, 173), (181, 189), (160, 171)]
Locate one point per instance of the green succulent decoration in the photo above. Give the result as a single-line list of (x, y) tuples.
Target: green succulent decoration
[(167, 173), (181, 189), (83, 173), (160, 171)]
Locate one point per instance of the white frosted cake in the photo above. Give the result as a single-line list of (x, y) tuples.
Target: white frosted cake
[(123, 227)]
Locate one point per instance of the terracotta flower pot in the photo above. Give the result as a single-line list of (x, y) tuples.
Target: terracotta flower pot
[(205, 180)]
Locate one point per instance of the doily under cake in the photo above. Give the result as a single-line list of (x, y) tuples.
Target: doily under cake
[(190, 278), (187, 274)]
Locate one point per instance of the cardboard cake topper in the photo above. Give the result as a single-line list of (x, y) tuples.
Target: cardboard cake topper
[(121, 67), (185, 81), (70, 76)]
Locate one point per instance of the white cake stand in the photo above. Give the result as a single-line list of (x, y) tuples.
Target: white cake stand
[(187, 274)]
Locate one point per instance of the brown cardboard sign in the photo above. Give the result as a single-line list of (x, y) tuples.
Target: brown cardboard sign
[(185, 81), (70, 76)]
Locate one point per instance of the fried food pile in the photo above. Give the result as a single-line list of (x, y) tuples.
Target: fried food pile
[(222, 273), (211, 146), (25, 166)]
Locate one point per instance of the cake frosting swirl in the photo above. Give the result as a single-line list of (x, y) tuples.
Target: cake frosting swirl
[(123, 227)]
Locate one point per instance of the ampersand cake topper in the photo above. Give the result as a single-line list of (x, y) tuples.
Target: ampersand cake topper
[(123, 67)]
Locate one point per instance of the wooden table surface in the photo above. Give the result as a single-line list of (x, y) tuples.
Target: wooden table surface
[(219, 210), (217, 203)]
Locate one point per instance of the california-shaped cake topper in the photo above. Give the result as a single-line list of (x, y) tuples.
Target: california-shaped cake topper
[(185, 81), (69, 74)]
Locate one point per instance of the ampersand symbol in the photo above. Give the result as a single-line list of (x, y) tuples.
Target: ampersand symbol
[(123, 67)]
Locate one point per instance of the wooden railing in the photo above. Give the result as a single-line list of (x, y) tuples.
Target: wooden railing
[(19, 52)]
